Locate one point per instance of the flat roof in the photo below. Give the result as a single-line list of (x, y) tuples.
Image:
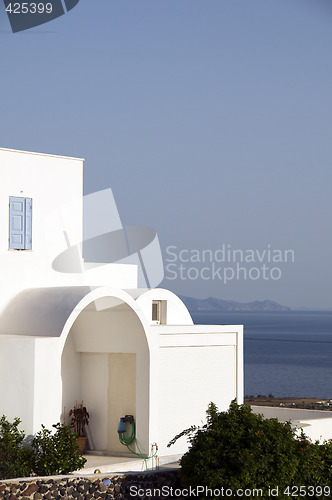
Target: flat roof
[(41, 154)]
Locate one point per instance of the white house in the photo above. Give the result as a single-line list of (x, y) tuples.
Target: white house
[(72, 330)]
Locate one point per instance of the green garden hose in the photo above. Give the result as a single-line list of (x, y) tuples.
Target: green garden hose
[(128, 441)]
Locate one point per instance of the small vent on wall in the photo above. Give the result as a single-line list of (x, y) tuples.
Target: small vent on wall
[(159, 312)]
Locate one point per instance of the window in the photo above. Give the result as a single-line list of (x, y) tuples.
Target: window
[(159, 311), (156, 311), (20, 223)]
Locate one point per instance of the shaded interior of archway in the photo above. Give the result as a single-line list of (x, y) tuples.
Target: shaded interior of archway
[(105, 364)]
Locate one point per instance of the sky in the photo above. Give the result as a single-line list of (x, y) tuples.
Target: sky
[(211, 122)]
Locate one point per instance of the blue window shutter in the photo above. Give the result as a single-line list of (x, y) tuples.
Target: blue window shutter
[(16, 223), (20, 223), (28, 224)]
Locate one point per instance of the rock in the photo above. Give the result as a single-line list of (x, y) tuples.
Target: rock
[(32, 488), (82, 487), (93, 487), (42, 487), (70, 490)]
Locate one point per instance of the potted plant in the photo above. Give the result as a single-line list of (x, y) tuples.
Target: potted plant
[(79, 419)]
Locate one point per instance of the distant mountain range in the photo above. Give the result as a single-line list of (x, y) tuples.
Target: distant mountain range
[(212, 304)]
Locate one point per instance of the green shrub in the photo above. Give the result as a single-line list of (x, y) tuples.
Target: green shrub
[(15, 459), (238, 449), (56, 453), (49, 453)]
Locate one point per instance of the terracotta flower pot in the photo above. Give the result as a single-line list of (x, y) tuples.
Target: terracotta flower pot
[(81, 441)]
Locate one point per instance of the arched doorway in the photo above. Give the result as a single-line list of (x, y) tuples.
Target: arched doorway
[(105, 362)]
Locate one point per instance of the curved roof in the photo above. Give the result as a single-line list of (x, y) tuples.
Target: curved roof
[(177, 312), (44, 312)]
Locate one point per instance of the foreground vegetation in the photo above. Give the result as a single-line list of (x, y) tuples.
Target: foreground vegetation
[(47, 453), (241, 451)]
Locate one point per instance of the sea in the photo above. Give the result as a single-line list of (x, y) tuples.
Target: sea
[(286, 354)]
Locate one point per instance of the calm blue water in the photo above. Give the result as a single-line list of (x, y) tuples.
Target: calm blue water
[(285, 353)]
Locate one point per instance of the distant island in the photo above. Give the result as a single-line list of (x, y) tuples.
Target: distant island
[(212, 304)]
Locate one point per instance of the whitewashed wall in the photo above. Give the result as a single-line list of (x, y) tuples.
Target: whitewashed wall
[(17, 375), (30, 383), (196, 368)]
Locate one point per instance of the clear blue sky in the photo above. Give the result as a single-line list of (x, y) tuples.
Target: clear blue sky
[(211, 121)]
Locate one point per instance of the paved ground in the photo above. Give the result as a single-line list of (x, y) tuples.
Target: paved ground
[(108, 464)]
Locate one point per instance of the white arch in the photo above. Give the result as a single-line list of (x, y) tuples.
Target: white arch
[(105, 299), (105, 293)]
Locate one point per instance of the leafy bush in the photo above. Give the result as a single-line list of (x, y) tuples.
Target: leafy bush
[(15, 459), (49, 453), (238, 449), (56, 453)]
